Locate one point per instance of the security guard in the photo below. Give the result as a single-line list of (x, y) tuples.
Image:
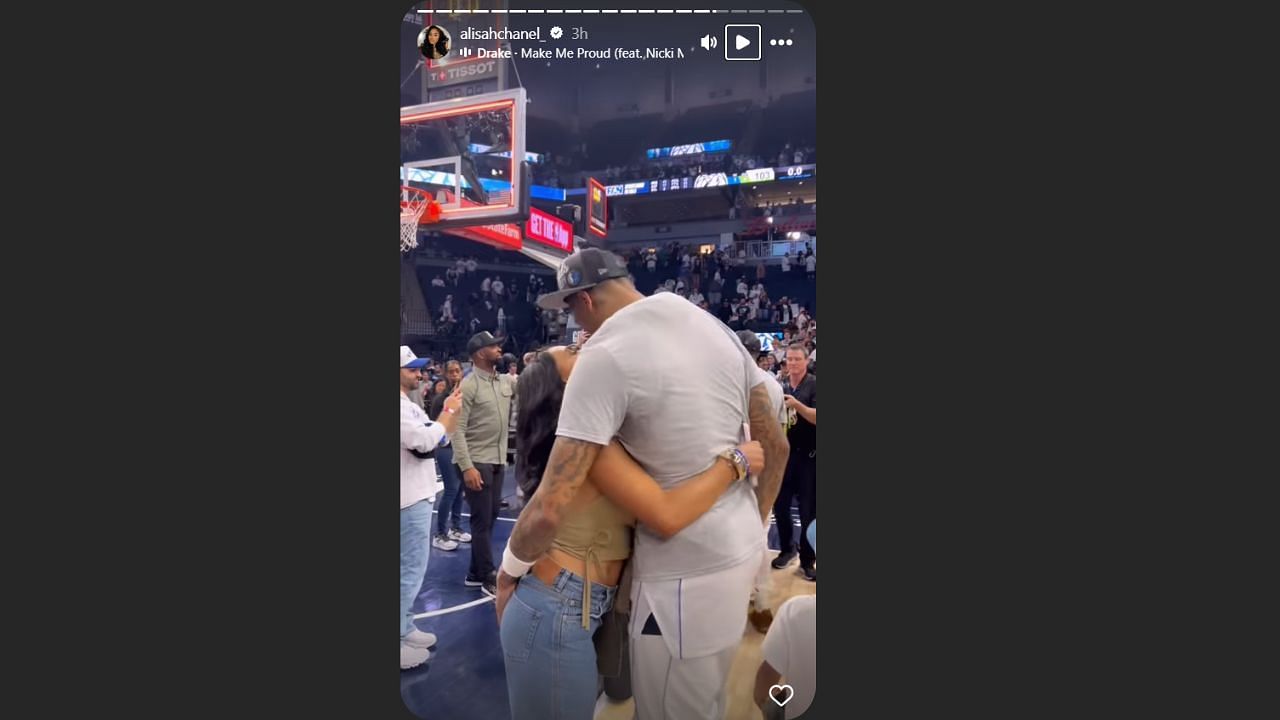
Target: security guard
[(480, 450)]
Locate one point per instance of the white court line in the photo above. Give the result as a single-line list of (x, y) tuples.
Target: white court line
[(467, 515), (455, 608)]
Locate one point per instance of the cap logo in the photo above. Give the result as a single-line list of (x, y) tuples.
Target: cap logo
[(575, 278)]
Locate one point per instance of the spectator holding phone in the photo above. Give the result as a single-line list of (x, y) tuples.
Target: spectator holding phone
[(449, 533), (801, 478), (419, 439)]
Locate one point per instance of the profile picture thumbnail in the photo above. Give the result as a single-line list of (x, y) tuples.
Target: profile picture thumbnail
[(434, 42)]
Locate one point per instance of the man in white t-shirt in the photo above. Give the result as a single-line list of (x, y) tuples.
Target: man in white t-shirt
[(791, 653), (689, 592), (497, 288), (419, 438), (485, 284), (472, 265)]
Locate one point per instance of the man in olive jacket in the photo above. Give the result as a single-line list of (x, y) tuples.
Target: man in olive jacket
[(480, 451)]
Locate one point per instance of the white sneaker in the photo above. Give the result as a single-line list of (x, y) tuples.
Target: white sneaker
[(419, 639), (460, 536), (443, 543), (412, 657)]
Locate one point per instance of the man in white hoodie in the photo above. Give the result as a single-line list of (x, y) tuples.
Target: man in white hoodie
[(419, 438)]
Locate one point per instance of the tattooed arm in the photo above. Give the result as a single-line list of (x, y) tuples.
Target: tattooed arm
[(594, 408), (765, 429), (566, 470), (536, 528)]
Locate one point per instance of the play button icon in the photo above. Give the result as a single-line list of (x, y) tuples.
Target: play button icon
[(741, 42)]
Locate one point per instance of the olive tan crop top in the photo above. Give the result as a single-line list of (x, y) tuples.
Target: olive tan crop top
[(600, 532)]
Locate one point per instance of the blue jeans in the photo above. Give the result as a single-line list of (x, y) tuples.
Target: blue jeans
[(549, 656), (450, 507), (415, 551)]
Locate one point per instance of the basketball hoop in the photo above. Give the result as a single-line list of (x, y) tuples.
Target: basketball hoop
[(414, 204)]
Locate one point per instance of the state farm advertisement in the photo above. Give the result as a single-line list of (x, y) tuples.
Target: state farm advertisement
[(549, 230), (504, 237)]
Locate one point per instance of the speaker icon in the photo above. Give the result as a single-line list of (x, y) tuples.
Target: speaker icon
[(708, 42)]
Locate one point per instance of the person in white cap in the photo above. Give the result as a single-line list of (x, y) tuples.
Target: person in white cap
[(419, 438)]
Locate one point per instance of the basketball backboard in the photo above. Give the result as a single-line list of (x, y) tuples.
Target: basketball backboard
[(466, 152)]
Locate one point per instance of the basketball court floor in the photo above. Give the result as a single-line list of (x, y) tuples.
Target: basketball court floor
[(465, 678)]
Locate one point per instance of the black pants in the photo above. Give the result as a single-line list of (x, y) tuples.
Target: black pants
[(800, 480), (485, 504)]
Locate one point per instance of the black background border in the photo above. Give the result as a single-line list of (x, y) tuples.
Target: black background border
[(1007, 451)]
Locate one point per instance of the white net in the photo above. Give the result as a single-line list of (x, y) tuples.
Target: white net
[(412, 204)]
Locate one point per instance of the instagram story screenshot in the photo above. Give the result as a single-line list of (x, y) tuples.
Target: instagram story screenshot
[(608, 353)]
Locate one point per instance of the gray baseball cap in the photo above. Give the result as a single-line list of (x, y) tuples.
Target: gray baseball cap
[(580, 271)]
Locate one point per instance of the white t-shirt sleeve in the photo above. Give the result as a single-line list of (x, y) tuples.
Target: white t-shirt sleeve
[(595, 399), (775, 647), (417, 434)]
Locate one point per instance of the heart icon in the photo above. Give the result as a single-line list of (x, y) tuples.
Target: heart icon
[(791, 692)]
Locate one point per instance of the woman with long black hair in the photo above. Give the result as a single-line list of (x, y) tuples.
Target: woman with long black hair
[(434, 42), (548, 625)]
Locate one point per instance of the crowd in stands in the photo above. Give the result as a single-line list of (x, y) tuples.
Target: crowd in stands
[(570, 170), (746, 295), (464, 293), (705, 163), (464, 300), (736, 292)]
